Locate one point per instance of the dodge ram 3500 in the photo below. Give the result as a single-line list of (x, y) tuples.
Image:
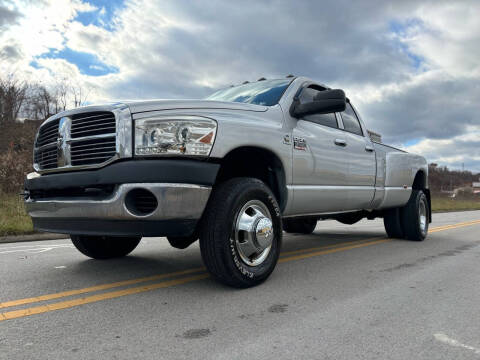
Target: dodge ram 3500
[(233, 170)]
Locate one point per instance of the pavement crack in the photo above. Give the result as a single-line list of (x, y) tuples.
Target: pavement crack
[(278, 308), (196, 333)]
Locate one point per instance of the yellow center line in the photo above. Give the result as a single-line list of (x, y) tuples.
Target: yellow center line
[(338, 245), (94, 298), (95, 288), (119, 293), (330, 251), (454, 226)]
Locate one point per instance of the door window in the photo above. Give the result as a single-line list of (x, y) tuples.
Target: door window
[(350, 121)]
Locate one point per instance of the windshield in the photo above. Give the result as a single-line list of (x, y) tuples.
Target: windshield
[(266, 92)]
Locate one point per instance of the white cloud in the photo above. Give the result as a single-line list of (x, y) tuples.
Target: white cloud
[(458, 151), (452, 37), (419, 82)]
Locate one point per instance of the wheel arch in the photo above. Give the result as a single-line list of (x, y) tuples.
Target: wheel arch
[(420, 183), (257, 162)]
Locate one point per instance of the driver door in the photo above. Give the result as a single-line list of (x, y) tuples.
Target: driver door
[(320, 162)]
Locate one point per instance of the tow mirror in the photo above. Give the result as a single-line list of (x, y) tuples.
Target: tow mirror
[(325, 102)]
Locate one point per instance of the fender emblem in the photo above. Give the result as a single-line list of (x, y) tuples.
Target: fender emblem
[(299, 143)]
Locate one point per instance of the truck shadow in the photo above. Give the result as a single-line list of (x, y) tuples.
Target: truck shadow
[(154, 258), (293, 242)]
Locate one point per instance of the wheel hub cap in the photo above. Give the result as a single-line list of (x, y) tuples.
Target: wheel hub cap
[(422, 214), (263, 233), (253, 233)]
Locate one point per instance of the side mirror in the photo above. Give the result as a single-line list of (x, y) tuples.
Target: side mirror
[(325, 102)]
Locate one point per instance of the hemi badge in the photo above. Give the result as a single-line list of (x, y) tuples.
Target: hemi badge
[(299, 143)]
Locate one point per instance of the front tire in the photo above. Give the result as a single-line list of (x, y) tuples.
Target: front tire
[(300, 226), (241, 232), (105, 247)]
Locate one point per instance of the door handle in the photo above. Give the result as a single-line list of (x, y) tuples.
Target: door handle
[(369, 148), (340, 142)]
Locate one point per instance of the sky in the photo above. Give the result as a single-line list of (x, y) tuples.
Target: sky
[(411, 67)]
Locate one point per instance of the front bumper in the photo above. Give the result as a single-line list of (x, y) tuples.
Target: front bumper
[(179, 204)]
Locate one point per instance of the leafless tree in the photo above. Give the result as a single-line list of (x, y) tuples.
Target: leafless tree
[(80, 95), (40, 103), (61, 94), (37, 101), (13, 94)]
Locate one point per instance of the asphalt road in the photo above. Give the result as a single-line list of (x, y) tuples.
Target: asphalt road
[(345, 292)]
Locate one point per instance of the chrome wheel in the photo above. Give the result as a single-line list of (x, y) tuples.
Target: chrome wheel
[(422, 216), (253, 233)]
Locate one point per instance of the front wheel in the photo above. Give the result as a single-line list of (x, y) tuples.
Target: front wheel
[(241, 233), (104, 247)]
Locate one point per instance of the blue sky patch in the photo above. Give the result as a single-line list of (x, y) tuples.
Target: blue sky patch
[(412, 142), (103, 17), (401, 30), (87, 63), (34, 64)]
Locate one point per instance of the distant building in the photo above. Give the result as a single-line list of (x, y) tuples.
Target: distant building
[(375, 137), (476, 187)]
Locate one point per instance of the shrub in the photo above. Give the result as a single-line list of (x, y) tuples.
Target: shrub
[(16, 149)]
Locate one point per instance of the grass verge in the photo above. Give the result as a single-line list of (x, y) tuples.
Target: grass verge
[(440, 204), (13, 218)]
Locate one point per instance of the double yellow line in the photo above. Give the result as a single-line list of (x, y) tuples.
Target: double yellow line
[(454, 226), (199, 275)]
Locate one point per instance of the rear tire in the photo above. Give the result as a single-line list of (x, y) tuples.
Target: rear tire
[(393, 224), (241, 232), (414, 216), (300, 226), (182, 242), (105, 247)]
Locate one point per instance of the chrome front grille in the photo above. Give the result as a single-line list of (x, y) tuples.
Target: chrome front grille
[(93, 123), (46, 158), (93, 151), (48, 133), (83, 139)]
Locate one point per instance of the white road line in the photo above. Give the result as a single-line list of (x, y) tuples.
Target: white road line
[(452, 342), (34, 246), (36, 250)]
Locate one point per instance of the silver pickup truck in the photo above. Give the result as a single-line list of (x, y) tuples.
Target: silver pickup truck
[(233, 170)]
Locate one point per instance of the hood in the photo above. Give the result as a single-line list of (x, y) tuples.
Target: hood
[(156, 105), (140, 106)]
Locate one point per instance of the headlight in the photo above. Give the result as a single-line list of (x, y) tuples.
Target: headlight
[(183, 136)]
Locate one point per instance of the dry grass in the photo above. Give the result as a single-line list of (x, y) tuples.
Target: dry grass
[(440, 204), (13, 218)]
